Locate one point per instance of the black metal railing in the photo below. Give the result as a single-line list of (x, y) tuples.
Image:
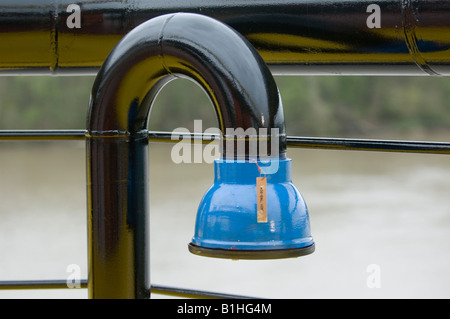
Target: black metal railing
[(377, 145), (155, 289)]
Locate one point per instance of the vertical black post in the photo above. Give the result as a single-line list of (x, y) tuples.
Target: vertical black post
[(118, 216)]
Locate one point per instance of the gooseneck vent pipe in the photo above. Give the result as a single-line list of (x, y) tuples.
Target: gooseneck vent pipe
[(241, 89), (382, 37)]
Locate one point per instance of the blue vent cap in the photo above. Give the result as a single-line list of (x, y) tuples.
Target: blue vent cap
[(229, 225)]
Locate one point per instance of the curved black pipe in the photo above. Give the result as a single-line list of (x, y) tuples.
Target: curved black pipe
[(241, 89), (222, 62)]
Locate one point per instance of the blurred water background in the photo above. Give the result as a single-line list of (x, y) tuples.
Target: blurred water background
[(387, 210)]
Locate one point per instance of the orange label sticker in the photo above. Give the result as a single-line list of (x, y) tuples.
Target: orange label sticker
[(261, 199)]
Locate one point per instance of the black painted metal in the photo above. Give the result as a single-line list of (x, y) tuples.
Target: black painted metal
[(401, 146), (83, 283), (242, 91), (293, 37), (42, 135), (38, 284), (326, 143), (194, 293)]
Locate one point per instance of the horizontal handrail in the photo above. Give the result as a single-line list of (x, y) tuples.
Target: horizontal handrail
[(191, 293), (42, 135), (379, 145), (402, 146), (155, 289), (37, 284), (298, 37)]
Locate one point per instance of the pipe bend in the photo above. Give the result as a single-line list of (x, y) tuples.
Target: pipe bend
[(237, 80)]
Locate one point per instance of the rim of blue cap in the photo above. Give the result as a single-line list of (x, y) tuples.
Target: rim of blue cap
[(251, 254)]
